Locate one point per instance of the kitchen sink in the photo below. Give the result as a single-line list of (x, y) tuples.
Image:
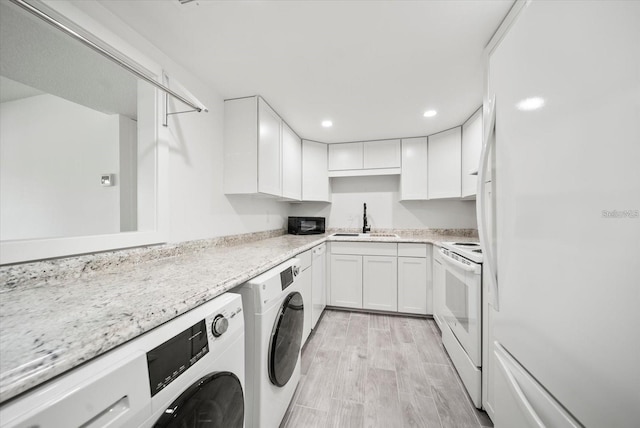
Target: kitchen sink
[(373, 235)]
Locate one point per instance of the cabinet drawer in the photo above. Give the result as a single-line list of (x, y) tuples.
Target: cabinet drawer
[(365, 248), (412, 250)]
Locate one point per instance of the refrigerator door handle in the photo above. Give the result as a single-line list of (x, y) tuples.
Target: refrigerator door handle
[(503, 364), (538, 408), (481, 206)]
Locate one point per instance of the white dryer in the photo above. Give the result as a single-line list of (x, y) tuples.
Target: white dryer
[(274, 320), (187, 371)]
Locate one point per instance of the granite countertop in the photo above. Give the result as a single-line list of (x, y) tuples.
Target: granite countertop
[(51, 323)]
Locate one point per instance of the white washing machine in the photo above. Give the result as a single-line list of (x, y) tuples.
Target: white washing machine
[(274, 320), (181, 374)]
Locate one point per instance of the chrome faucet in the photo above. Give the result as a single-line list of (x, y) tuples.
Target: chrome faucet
[(365, 227)]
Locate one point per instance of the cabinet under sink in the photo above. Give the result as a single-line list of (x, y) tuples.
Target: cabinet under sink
[(375, 235)]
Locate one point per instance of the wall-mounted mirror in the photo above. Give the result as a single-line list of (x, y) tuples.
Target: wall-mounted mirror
[(79, 152)]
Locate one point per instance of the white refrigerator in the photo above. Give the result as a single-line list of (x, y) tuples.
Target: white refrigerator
[(562, 115)]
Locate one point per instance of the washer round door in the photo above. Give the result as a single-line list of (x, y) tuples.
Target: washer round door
[(286, 338), (216, 400)]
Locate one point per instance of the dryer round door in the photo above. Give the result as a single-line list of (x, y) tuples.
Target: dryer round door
[(286, 338), (216, 400)]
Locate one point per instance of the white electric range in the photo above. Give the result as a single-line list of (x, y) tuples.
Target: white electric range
[(461, 317)]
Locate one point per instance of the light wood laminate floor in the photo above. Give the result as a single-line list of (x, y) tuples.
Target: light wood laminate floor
[(369, 370)]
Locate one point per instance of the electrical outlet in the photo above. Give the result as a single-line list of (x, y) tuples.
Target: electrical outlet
[(106, 180)]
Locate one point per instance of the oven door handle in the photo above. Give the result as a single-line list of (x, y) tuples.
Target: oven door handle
[(457, 264)]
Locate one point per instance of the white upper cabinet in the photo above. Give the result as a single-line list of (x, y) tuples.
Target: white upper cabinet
[(269, 150), (261, 153), (364, 158), (291, 164), (444, 164), (315, 176), (345, 156), (413, 179), (241, 146), (381, 154), (471, 148)]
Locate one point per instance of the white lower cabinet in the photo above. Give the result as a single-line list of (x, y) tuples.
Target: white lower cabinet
[(305, 279), (318, 282), (380, 283), (381, 276), (412, 285), (415, 294), (346, 281)]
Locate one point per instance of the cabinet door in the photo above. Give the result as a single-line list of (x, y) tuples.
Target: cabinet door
[(380, 283), (412, 285), (291, 164), (305, 281), (444, 164), (438, 291), (269, 146), (345, 156), (315, 175), (413, 179), (471, 148), (240, 167), (381, 154), (346, 281), (319, 283)]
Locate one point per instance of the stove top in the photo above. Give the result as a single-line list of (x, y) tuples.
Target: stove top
[(469, 250)]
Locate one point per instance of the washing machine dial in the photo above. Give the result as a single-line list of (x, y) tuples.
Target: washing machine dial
[(219, 325)]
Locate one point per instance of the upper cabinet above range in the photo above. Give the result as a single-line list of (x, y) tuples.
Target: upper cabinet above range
[(444, 164), (471, 148), (262, 155), (364, 158)]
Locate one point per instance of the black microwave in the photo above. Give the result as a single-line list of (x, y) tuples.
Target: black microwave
[(306, 225)]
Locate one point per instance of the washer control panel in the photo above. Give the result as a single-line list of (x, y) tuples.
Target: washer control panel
[(172, 358)]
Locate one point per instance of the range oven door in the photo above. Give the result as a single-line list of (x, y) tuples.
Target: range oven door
[(462, 304)]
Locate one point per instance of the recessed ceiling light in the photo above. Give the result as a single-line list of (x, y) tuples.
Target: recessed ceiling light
[(528, 104), (327, 124), (430, 113)]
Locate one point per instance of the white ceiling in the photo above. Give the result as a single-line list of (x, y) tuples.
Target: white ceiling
[(372, 67)]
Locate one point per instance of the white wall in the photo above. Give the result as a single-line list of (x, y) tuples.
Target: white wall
[(197, 207), (384, 208), (52, 154)]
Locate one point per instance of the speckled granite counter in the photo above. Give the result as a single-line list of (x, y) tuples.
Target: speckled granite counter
[(56, 315)]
